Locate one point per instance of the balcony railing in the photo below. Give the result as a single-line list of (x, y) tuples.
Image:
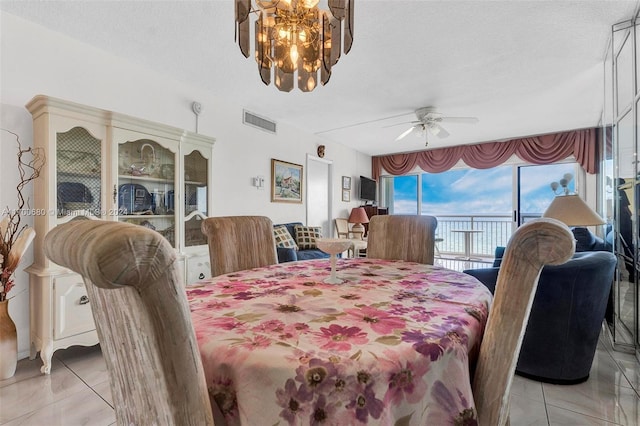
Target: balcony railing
[(496, 231)]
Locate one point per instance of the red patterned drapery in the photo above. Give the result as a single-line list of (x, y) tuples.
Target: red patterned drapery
[(544, 149)]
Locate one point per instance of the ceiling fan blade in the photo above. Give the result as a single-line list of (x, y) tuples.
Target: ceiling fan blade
[(406, 132), (469, 120), (438, 130), (401, 124)]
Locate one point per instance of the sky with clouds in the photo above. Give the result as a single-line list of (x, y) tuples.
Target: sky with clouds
[(476, 192)]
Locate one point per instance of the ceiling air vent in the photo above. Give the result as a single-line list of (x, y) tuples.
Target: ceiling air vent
[(251, 119)]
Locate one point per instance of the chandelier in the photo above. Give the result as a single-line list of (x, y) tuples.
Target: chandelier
[(295, 36)]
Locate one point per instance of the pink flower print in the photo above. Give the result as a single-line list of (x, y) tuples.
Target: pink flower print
[(406, 382), (322, 413), (198, 292), (455, 408), (293, 331), (366, 404), (232, 287), (317, 376), (217, 305), (297, 308), (274, 291), (256, 342), (418, 283), (424, 344), (421, 314), (294, 402), (340, 338), (271, 326), (225, 323), (380, 321)]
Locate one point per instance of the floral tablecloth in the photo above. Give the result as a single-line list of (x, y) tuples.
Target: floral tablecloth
[(392, 345)]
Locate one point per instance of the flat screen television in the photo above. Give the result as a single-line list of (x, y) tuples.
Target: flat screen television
[(368, 189)]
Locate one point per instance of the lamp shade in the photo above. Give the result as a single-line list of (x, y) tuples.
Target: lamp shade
[(571, 210), (358, 215)]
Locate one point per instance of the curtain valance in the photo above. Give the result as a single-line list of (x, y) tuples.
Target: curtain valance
[(544, 149)]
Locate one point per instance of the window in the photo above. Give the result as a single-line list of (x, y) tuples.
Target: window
[(400, 194), (467, 192)]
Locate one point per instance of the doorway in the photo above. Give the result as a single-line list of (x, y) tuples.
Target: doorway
[(319, 194)]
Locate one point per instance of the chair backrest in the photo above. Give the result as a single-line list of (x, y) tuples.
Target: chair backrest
[(402, 237), (535, 244), (342, 227), (237, 243), (142, 319)]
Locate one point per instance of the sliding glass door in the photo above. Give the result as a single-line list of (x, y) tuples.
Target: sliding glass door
[(494, 201), (534, 193)]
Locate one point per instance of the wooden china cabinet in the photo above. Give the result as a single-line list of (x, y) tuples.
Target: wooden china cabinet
[(109, 166), (373, 211)]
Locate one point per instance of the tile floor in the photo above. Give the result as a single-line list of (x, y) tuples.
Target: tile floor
[(77, 393)]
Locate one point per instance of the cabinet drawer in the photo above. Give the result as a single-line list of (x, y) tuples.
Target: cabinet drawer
[(71, 310), (198, 268)]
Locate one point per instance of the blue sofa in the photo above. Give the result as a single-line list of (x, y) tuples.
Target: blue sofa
[(566, 317), (291, 255)]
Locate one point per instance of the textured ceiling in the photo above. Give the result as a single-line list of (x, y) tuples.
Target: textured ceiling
[(521, 67)]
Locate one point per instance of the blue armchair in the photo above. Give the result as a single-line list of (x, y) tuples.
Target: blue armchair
[(587, 241), (566, 317)]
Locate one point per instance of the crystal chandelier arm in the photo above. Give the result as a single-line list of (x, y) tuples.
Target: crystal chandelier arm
[(348, 27), (243, 35), (342, 10), (262, 51), (338, 8), (327, 36)]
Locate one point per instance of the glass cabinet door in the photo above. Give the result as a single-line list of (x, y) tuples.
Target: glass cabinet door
[(146, 186), (196, 202), (196, 178), (78, 173)]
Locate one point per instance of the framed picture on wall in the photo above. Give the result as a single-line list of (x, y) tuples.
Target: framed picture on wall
[(286, 182), (346, 182), (346, 195)]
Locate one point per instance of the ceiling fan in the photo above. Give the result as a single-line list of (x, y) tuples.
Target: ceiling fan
[(429, 122)]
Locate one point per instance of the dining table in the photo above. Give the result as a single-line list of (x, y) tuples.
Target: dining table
[(394, 344)]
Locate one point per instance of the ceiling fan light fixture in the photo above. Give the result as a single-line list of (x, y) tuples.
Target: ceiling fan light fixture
[(429, 122), (295, 39)]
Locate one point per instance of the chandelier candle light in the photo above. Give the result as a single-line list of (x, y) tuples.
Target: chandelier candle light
[(295, 35)]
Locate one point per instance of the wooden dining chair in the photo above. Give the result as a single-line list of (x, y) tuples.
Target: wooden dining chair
[(237, 243), (142, 319), (402, 237), (342, 227), (535, 244)]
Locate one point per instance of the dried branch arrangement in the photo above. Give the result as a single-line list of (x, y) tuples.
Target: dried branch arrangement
[(15, 237)]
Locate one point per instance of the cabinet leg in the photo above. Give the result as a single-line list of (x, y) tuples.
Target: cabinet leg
[(46, 353)]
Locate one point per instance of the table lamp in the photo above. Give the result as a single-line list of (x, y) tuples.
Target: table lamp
[(569, 208), (358, 216), (572, 211)]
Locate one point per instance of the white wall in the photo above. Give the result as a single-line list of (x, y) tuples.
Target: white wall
[(34, 60)]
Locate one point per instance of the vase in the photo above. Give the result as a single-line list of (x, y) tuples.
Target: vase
[(8, 343)]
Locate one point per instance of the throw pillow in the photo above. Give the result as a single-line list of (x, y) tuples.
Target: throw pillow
[(283, 237), (306, 236)]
